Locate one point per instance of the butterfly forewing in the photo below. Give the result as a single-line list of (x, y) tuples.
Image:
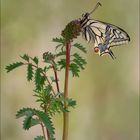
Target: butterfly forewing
[(95, 31)]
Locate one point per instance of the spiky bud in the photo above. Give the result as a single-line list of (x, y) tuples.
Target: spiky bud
[(72, 30)]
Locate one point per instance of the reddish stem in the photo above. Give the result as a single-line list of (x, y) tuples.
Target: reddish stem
[(56, 78), (43, 131), (66, 114)]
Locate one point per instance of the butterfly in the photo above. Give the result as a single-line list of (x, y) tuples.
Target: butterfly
[(103, 35)]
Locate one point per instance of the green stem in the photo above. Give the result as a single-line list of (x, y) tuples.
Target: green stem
[(66, 114)]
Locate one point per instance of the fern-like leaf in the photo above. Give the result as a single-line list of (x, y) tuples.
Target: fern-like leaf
[(80, 47), (29, 113), (25, 57), (39, 79), (35, 59), (25, 112), (59, 40), (29, 72), (74, 69), (62, 63), (13, 66), (47, 122), (29, 121), (79, 58)]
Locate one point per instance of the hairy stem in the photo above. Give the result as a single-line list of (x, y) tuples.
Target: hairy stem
[(66, 114)]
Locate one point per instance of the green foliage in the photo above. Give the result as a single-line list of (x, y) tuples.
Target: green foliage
[(39, 138), (47, 122), (71, 103), (74, 69), (48, 57), (60, 41), (35, 60), (28, 122), (62, 63), (80, 47), (25, 57), (79, 60), (13, 66), (50, 99), (39, 79), (29, 72)]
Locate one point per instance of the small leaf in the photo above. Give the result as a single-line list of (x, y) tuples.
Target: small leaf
[(47, 122), (39, 79), (29, 112), (71, 103), (78, 57), (25, 57), (62, 63), (29, 72), (78, 63), (61, 53), (80, 47), (35, 59), (74, 69), (13, 66), (39, 138), (29, 122), (24, 112), (79, 60), (59, 40)]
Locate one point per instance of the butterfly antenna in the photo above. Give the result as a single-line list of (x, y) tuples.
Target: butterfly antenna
[(96, 6)]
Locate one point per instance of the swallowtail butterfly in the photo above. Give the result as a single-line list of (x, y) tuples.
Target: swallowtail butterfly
[(103, 35)]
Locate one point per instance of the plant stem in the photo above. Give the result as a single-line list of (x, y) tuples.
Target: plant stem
[(48, 135), (56, 78), (43, 131), (66, 114)]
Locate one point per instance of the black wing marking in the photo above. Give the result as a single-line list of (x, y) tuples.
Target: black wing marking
[(95, 31)]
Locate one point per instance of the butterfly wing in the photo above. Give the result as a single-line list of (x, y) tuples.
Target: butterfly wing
[(96, 31)]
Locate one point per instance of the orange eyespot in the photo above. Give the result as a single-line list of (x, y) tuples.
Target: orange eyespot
[(96, 49)]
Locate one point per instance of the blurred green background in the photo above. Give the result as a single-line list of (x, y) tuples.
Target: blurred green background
[(107, 91)]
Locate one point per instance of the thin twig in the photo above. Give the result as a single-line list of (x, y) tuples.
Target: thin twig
[(56, 78)]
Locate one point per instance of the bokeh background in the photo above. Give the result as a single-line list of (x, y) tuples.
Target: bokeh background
[(107, 91)]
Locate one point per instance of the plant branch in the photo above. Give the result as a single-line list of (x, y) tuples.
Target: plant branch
[(66, 114), (44, 76), (56, 78)]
